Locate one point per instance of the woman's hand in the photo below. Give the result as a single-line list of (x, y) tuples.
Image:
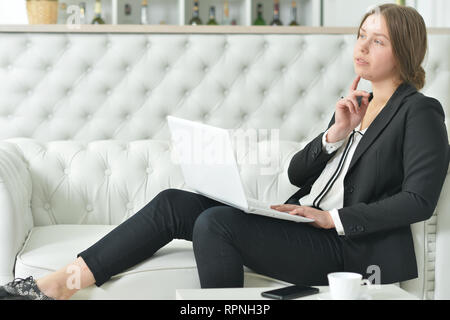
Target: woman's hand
[(348, 113), (322, 219)]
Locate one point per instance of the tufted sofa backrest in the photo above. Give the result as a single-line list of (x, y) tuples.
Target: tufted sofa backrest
[(90, 86), (106, 181)]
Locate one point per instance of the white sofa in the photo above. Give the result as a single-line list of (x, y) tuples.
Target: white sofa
[(85, 143)]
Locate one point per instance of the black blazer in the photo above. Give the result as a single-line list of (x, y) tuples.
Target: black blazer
[(394, 179)]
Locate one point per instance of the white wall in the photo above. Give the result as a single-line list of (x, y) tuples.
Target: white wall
[(435, 12), (348, 13), (13, 12)]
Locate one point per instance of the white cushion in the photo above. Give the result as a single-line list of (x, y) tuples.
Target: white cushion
[(50, 248)]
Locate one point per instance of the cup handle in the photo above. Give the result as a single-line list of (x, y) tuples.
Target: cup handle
[(365, 293), (366, 282)]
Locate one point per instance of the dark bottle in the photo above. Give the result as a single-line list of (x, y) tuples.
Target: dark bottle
[(293, 14), (259, 21), (195, 15), (98, 13), (212, 16), (276, 14)]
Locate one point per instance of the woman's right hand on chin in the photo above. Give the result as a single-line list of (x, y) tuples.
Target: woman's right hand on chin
[(348, 113)]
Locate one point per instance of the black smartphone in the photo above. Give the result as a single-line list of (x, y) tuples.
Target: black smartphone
[(290, 292)]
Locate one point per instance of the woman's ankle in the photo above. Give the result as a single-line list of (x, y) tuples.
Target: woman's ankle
[(53, 288), (67, 281)]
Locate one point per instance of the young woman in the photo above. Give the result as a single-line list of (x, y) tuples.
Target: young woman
[(378, 168)]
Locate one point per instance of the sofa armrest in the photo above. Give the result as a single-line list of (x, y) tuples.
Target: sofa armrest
[(442, 260), (15, 213)]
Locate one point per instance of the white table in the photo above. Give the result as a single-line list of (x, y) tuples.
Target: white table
[(382, 292)]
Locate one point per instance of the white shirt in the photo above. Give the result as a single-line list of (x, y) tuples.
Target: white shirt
[(331, 197)]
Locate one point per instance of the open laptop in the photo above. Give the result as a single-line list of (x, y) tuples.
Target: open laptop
[(206, 156)]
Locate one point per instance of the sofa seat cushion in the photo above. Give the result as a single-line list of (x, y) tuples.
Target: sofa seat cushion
[(48, 248)]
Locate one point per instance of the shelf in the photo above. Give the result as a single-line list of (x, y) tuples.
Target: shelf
[(179, 12)]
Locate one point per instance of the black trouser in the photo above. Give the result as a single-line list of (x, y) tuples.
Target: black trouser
[(224, 240)]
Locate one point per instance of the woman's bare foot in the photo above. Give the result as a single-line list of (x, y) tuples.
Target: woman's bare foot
[(65, 282)]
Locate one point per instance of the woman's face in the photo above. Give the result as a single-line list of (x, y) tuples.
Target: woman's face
[(373, 58)]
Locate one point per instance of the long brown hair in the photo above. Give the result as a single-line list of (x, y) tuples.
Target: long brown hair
[(408, 35)]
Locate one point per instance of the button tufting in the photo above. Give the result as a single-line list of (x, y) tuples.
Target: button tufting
[(66, 171), (107, 172), (148, 170), (47, 206), (129, 206), (89, 207), (148, 45)]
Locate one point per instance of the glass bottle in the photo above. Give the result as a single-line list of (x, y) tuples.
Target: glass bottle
[(98, 13), (259, 21), (276, 14), (82, 12), (226, 14), (293, 14), (144, 12), (212, 16), (195, 15)]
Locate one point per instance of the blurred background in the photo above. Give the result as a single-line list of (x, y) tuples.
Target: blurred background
[(342, 13)]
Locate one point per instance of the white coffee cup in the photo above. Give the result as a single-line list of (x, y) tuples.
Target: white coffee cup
[(347, 285)]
